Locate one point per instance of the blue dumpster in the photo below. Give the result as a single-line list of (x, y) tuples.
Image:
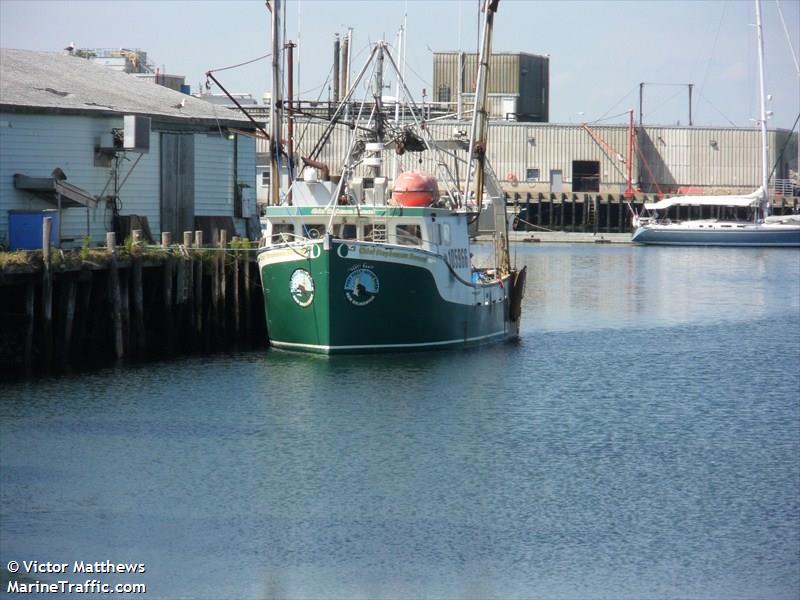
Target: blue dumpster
[(25, 228)]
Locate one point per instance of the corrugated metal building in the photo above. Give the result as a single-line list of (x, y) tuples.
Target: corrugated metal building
[(548, 157), (63, 112), (518, 85)]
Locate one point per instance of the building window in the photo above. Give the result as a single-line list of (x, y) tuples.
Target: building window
[(444, 93), (531, 174), (264, 178)]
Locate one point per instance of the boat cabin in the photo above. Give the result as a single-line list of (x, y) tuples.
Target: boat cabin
[(436, 230)]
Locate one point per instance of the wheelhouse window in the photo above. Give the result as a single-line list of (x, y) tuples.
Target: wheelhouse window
[(408, 235), (282, 232), (444, 234), (346, 232), (314, 230), (375, 233)]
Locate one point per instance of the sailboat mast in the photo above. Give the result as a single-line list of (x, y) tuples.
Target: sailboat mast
[(275, 117), (763, 116)]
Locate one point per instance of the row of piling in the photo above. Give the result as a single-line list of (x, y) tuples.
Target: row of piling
[(130, 302), (610, 213)]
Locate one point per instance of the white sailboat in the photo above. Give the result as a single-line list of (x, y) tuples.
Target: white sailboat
[(763, 230)]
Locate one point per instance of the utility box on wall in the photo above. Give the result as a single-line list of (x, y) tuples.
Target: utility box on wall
[(136, 134), (25, 229)]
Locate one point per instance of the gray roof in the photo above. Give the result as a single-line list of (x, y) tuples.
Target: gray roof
[(51, 82)]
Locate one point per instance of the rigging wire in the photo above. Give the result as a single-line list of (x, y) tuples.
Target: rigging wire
[(788, 37), (785, 145), (702, 85), (240, 64), (666, 101), (609, 118), (617, 103), (714, 106)]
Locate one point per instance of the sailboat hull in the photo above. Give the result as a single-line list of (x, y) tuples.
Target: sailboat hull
[(718, 234), (356, 297)]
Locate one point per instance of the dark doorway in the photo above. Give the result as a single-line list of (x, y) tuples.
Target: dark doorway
[(585, 176), (177, 183)]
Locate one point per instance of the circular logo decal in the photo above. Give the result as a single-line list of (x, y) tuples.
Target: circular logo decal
[(301, 287), (361, 287)]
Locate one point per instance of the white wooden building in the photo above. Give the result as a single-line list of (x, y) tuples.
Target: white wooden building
[(62, 123)]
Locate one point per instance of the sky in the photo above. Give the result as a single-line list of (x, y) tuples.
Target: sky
[(599, 50)]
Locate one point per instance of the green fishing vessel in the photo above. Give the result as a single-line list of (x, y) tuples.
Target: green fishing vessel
[(354, 265)]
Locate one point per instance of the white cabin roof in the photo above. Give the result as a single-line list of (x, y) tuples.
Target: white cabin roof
[(738, 200)]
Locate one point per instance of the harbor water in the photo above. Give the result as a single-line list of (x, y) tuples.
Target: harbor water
[(640, 441)]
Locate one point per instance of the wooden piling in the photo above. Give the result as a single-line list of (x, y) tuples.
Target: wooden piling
[(198, 286), (539, 210), (585, 212), (116, 299), (236, 306), (124, 290), (572, 200), (247, 297), (69, 316), (213, 316), (529, 216), (84, 311), (30, 293), (47, 296), (166, 242), (223, 303), (137, 286), (188, 320)]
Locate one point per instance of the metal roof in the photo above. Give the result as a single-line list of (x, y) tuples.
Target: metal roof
[(50, 82)]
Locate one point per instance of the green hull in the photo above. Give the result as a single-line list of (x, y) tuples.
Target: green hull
[(337, 300)]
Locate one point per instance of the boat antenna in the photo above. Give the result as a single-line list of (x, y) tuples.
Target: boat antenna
[(762, 116)]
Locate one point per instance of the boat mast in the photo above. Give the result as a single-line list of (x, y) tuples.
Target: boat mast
[(480, 117), (477, 145), (763, 116), (377, 92), (275, 117)]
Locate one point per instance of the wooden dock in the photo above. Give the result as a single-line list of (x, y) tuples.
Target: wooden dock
[(91, 307)]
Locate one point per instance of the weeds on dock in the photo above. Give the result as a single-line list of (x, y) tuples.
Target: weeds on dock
[(87, 257)]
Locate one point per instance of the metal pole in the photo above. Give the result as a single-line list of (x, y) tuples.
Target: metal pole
[(336, 69), (275, 108), (691, 85), (629, 162), (290, 111), (641, 97)]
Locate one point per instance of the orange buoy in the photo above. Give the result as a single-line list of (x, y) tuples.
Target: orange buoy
[(415, 188)]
